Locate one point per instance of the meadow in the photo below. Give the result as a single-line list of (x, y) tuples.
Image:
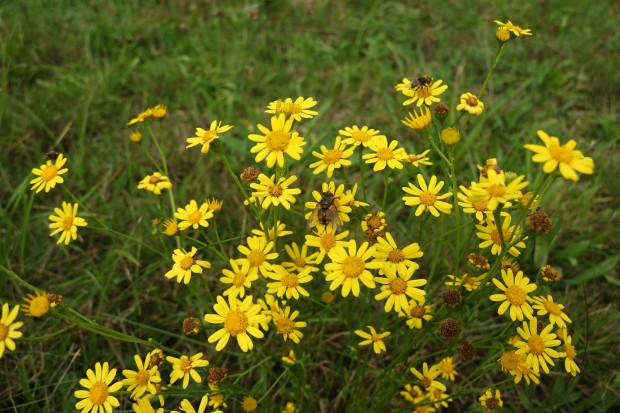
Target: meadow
[(73, 75)]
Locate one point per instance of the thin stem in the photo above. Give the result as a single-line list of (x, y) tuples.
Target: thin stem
[(498, 54)]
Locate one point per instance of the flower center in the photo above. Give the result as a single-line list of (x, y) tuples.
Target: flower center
[(424, 91), (38, 307), (496, 239), (492, 403), (239, 279), (398, 286), (194, 217), (515, 295), (67, 223), (569, 349), (417, 312), (300, 262), (285, 325), (427, 198), (385, 154), (209, 136), (185, 365), (374, 222), (469, 281), (187, 262), (426, 383), (328, 241), (236, 323), (561, 154), (536, 345), (288, 107), (4, 332), (353, 267), (361, 136), (553, 308), (49, 173), (472, 101), (275, 191), (480, 206), (143, 377), (332, 156), (289, 281), (396, 256), (98, 393), (277, 140), (496, 191), (256, 258), (376, 338), (154, 180)]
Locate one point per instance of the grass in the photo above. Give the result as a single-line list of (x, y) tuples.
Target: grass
[(73, 74)]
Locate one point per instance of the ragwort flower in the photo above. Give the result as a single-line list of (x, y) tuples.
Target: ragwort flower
[(515, 289), (538, 347), (186, 264), (349, 266), (37, 305), (277, 142), (417, 313), (240, 320), (374, 338), (490, 401), (424, 94), (325, 239), (66, 221), (185, 367), (49, 174), (258, 254), (155, 183), (239, 278), (298, 109), (397, 288), (140, 381), (98, 394), (192, 216), (8, 328), (427, 377), (207, 137), (418, 120), (267, 191), (384, 154), (470, 103), (286, 325), (357, 136), (330, 159), (548, 306), (427, 197), (288, 283), (490, 236)]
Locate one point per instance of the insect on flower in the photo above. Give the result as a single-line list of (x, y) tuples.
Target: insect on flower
[(421, 81), (52, 155), (325, 212)]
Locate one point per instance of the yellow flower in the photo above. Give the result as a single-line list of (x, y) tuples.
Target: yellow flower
[(277, 231), (399, 259), (66, 221), (424, 94), (447, 368), (143, 405), (206, 137), (566, 157), (140, 381), (490, 236), (490, 402), (398, 287), (349, 267), (417, 313), (325, 238), (277, 142), (287, 326), (405, 84), (135, 136), (300, 260), (470, 103), (290, 408), (288, 283), (185, 367), (186, 406), (290, 359), (537, 346), (330, 159), (427, 197), (49, 174), (495, 191), (412, 393), (357, 136), (269, 192), (239, 318), (155, 183), (450, 136), (37, 305), (258, 254), (374, 338), (548, 306), (515, 30), (159, 111), (385, 155), (427, 377), (170, 227), (249, 404), (192, 216), (239, 277), (185, 264), (98, 393), (469, 282), (418, 120), (141, 117), (479, 206), (569, 355), (214, 204), (417, 160), (515, 289), (374, 222), (8, 328), (298, 109)]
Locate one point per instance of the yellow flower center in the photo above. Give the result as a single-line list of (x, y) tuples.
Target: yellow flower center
[(154, 180), (194, 217), (209, 136), (275, 191), (481, 206), (374, 222), (39, 306), (428, 198), (67, 223), (256, 258), (375, 338), (515, 295), (492, 403), (285, 325), (143, 377), (288, 107), (49, 173), (553, 308), (510, 361), (353, 267), (426, 383), (496, 191), (536, 345), (185, 364), (361, 136), (561, 154), (239, 279), (396, 256), (472, 101), (332, 156), (424, 91), (289, 280), (249, 404), (236, 322), (187, 262), (569, 349), (328, 241), (418, 311), (4, 332), (98, 393), (495, 237), (469, 281), (385, 154), (398, 286), (277, 140), (300, 262)]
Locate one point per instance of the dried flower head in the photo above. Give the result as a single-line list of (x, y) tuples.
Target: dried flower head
[(478, 261), (549, 273), (217, 375), (55, 299), (449, 328), (190, 326), (249, 174), (539, 222), (452, 298), (467, 350)]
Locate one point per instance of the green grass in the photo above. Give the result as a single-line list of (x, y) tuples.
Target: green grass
[(75, 73)]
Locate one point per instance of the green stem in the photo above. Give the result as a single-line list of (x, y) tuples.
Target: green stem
[(385, 187), (498, 54), (362, 170), (457, 212)]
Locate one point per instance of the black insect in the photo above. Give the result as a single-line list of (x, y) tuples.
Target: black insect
[(325, 212), (421, 82), (52, 155)]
